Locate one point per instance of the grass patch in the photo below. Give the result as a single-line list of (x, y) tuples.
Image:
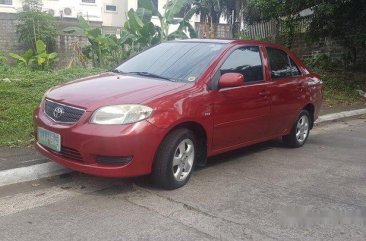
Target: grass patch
[(340, 86), (21, 90)]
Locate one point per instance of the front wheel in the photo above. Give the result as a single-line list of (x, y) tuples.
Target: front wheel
[(299, 132), (175, 159)]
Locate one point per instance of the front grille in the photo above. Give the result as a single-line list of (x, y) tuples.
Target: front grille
[(62, 113), (120, 160), (68, 153)]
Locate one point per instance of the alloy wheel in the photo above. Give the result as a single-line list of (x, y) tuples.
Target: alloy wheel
[(183, 160)]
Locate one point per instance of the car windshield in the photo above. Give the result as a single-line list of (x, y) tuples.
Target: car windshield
[(175, 61)]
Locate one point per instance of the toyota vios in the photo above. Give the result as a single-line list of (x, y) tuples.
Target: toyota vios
[(170, 107)]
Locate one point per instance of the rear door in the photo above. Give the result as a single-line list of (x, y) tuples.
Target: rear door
[(241, 113), (287, 91)]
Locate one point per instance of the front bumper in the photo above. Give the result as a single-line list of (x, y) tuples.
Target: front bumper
[(84, 142)]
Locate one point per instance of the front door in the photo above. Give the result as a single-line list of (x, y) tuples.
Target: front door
[(241, 113)]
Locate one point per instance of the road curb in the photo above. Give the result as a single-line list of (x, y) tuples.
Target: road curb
[(49, 169), (340, 115), (31, 173)]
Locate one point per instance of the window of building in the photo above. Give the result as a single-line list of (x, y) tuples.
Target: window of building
[(111, 8), (6, 2), (281, 64), (88, 1), (246, 61)]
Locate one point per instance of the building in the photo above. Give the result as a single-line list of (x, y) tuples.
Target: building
[(110, 14), (69, 9)]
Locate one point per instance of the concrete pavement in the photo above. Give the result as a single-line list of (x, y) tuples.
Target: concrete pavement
[(264, 192)]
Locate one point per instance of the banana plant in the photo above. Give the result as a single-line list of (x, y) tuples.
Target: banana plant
[(25, 59), (100, 44), (171, 9), (139, 32), (40, 59)]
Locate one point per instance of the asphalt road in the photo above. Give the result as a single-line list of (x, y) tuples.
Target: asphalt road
[(264, 192)]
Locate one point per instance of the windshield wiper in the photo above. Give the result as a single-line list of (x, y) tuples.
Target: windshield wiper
[(117, 71), (147, 74)]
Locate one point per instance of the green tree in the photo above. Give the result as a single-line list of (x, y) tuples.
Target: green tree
[(285, 13), (34, 25), (213, 9), (340, 19)]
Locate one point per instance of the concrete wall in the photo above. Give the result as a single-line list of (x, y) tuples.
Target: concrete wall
[(9, 40), (328, 46), (8, 37)]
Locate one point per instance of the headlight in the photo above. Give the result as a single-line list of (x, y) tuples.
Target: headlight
[(120, 114)]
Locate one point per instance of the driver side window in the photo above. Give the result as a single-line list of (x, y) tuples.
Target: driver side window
[(246, 61)]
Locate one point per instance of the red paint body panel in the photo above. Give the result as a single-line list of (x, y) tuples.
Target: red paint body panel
[(230, 117)]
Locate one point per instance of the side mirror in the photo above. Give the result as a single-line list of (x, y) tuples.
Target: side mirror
[(230, 80)]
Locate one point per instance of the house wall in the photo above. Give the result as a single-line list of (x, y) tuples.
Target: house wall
[(114, 20), (90, 11)]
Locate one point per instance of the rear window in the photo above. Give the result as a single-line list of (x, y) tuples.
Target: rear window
[(281, 64), (180, 61)]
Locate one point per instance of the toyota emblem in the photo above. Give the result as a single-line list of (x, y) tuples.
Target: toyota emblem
[(58, 112)]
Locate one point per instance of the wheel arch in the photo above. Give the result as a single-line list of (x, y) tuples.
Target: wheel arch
[(201, 135), (311, 109)]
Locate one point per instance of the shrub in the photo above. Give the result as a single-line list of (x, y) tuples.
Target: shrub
[(36, 25), (39, 59), (3, 59)]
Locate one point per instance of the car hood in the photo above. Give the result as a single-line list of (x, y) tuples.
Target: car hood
[(110, 89)]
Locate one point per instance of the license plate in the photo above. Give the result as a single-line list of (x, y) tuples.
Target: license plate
[(49, 139)]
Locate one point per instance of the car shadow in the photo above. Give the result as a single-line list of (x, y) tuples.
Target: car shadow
[(146, 182), (240, 153)]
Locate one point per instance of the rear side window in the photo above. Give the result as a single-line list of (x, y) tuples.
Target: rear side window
[(294, 69), (246, 61), (281, 64)]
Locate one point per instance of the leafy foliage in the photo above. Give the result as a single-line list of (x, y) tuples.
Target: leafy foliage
[(137, 34), (340, 86), (102, 47), (3, 59), (213, 9), (34, 25), (39, 59), (26, 59), (167, 19), (344, 20)]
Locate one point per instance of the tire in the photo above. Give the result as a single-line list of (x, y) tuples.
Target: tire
[(175, 159), (299, 132)]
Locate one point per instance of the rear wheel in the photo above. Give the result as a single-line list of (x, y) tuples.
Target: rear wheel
[(299, 132), (175, 159)]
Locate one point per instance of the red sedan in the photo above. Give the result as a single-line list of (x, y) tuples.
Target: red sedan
[(170, 107)]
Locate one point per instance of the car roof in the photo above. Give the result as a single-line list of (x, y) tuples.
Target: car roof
[(229, 41)]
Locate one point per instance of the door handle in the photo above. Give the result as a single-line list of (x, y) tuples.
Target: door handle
[(300, 87), (264, 93)]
